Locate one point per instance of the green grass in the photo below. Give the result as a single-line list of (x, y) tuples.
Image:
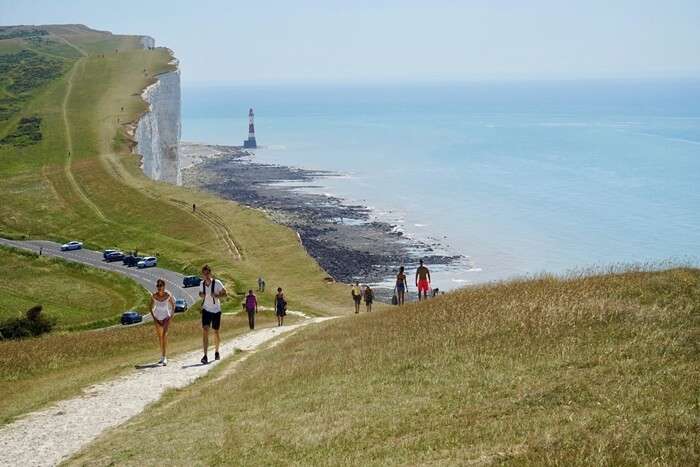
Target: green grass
[(47, 196), (138, 213), (597, 370), (75, 295)]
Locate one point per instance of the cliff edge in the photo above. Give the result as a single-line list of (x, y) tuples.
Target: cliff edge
[(158, 130)]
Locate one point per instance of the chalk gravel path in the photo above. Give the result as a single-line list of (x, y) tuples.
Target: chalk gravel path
[(50, 436)]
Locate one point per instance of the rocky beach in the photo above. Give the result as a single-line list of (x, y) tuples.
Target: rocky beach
[(346, 239)]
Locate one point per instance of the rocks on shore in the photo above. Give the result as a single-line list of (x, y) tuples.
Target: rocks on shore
[(343, 238)]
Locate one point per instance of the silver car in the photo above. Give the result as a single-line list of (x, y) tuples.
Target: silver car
[(74, 245), (147, 262)]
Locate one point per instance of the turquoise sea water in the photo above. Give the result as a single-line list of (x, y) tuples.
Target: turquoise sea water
[(520, 178)]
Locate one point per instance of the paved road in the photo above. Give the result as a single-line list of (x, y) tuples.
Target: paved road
[(146, 277)]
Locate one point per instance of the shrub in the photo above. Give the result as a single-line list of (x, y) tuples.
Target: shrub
[(31, 325)]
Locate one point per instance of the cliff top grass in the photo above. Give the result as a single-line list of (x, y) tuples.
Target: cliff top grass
[(80, 181), (99, 195), (599, 370)]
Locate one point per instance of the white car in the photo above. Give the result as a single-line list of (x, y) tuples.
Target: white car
[(71, 246), (147, 262)]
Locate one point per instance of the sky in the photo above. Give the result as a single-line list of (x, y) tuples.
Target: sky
[(357, 41)]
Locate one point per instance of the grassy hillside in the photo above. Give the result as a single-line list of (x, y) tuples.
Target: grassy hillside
[(586, 371), (78, 179), (75, 295), (69, 97)]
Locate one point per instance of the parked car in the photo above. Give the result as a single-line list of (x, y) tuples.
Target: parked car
[(147, 262), (191, 281), (71, 246), (131, 317), (180, 305), (108, 251), (114, 256), (131, 260)]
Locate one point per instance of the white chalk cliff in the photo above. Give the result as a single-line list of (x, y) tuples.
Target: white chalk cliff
[(158, 131)]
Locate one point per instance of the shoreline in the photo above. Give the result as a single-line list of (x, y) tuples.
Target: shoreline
[(346, 239)]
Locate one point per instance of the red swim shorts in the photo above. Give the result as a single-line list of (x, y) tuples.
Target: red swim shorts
[(423, 286)]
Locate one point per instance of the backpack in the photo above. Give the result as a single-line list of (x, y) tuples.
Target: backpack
[(204, 291), (394, 299)]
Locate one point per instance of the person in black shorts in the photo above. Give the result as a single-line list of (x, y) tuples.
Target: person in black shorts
[(369, 297), (212, 291)]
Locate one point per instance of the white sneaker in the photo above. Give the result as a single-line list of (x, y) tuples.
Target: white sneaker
[(164, 360)]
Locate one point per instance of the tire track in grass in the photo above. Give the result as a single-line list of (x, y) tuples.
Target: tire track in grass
[(69, 145), (217, 224)]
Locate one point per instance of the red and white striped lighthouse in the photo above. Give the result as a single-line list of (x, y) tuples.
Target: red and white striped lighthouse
[(250, 143)]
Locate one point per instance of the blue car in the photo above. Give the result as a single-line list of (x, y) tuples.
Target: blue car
[(131, 317), (191, 281), (71, 246), (107, 252), (114, 256), (180, 305)]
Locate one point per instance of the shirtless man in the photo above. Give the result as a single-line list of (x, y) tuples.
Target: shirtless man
[(422, 280)]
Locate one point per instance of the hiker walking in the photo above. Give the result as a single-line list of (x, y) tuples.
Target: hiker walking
[(162, 307), (280, 306), (401, 286), (422, 280), (251, 307), (261, 284), (212, 292), (369, 297), (194, 208), (356, 294)]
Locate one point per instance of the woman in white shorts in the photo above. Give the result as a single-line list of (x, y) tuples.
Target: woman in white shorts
[(162, 307)]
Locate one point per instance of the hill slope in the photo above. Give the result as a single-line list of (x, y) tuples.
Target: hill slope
[(69, 96), (591, 371), (72, 174)]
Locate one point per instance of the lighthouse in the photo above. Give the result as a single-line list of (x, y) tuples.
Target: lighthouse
[(250, 142)]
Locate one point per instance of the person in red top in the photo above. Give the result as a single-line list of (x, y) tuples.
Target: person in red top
[(251, 307), (422, 280)]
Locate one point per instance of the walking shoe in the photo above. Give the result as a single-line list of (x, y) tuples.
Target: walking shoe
[(217, 356), (204, 359), (165, 361), (160, 362)]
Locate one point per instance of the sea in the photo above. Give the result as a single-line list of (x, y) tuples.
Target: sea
[(519, 178)]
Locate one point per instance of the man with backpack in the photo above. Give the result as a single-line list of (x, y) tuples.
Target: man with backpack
[(211, 293), (251, 307)]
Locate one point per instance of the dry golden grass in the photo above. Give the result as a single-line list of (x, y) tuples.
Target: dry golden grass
[(597, 370), (35, 372)]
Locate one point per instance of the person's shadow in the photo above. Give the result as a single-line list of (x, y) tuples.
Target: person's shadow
[(194, 365), (144, 366)]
